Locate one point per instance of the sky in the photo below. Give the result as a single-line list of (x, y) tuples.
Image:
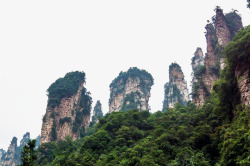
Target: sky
[(40, 41)]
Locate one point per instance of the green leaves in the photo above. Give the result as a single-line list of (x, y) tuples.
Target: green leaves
[(64, 87), (29, 154)]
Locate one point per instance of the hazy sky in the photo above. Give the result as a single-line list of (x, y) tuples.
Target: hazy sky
[(41, 41)]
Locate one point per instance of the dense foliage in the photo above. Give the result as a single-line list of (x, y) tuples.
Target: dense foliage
[(131, 101), (233, 20), (216, 134), (236, 52), (29, 153), (180, 136), (201, 70), (132, 72), (64, 87)]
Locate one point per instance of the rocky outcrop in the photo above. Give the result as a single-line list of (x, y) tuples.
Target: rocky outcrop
[(13, 155), (97, 112), (130, 90), (38, 138), (11, 158), (217, 38), (234, 22), (71, 115), (211, 60), (198, 94), (197, 61), (176, 90), (242, 73), (222, 31), (24, 141), (2, 155)]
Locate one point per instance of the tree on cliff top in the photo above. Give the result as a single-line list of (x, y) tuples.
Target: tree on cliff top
[(29, 154), (64, 87), (132, 72)]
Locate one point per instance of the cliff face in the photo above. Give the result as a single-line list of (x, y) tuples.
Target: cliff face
[(2, 155), (197, 61), (222, 31), (205, 75), (24, 141), (198, 94), (234, 22), (38, 141), (10, 159), (217, 38), (130, 90), (13, 155), (71, 115), (97, 112), (242, 73), (176, 90)]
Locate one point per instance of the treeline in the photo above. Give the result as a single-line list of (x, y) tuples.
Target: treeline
[(216, 134)]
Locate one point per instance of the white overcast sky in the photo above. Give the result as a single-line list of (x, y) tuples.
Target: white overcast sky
[(41, 41)]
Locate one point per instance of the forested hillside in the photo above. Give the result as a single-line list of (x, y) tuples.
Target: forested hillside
[(217, 133)]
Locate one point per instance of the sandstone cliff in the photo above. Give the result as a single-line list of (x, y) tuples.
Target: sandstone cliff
[(13, 155), (242, 73), (68, 110), (130, 90), (198, 94), (218, 35), (97, 112), (197, 61), (176, 90), (10, 159), (2, 155)]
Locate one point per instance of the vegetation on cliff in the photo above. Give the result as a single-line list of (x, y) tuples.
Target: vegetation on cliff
[(233, 21), (64, 87), (173, 89), (130, 90), (133, 72), (97, 112), (217, 133)]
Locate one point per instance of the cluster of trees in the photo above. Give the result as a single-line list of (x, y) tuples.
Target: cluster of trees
[(132, 72), (183, 135), (131, 101), (64, 87), (216, 134)]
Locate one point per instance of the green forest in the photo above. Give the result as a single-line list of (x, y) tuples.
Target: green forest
[(218, 133)]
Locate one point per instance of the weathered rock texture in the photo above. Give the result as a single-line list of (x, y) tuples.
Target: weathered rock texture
[(198, 94), (38, 138), (217, 38), (13, 155), (24, 141), (222, 31), (130, 90), (242, 73), (234, 22), (176, 90), (2, 155), (71, 116), (97, 112), (197, 61), (10, 159)]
